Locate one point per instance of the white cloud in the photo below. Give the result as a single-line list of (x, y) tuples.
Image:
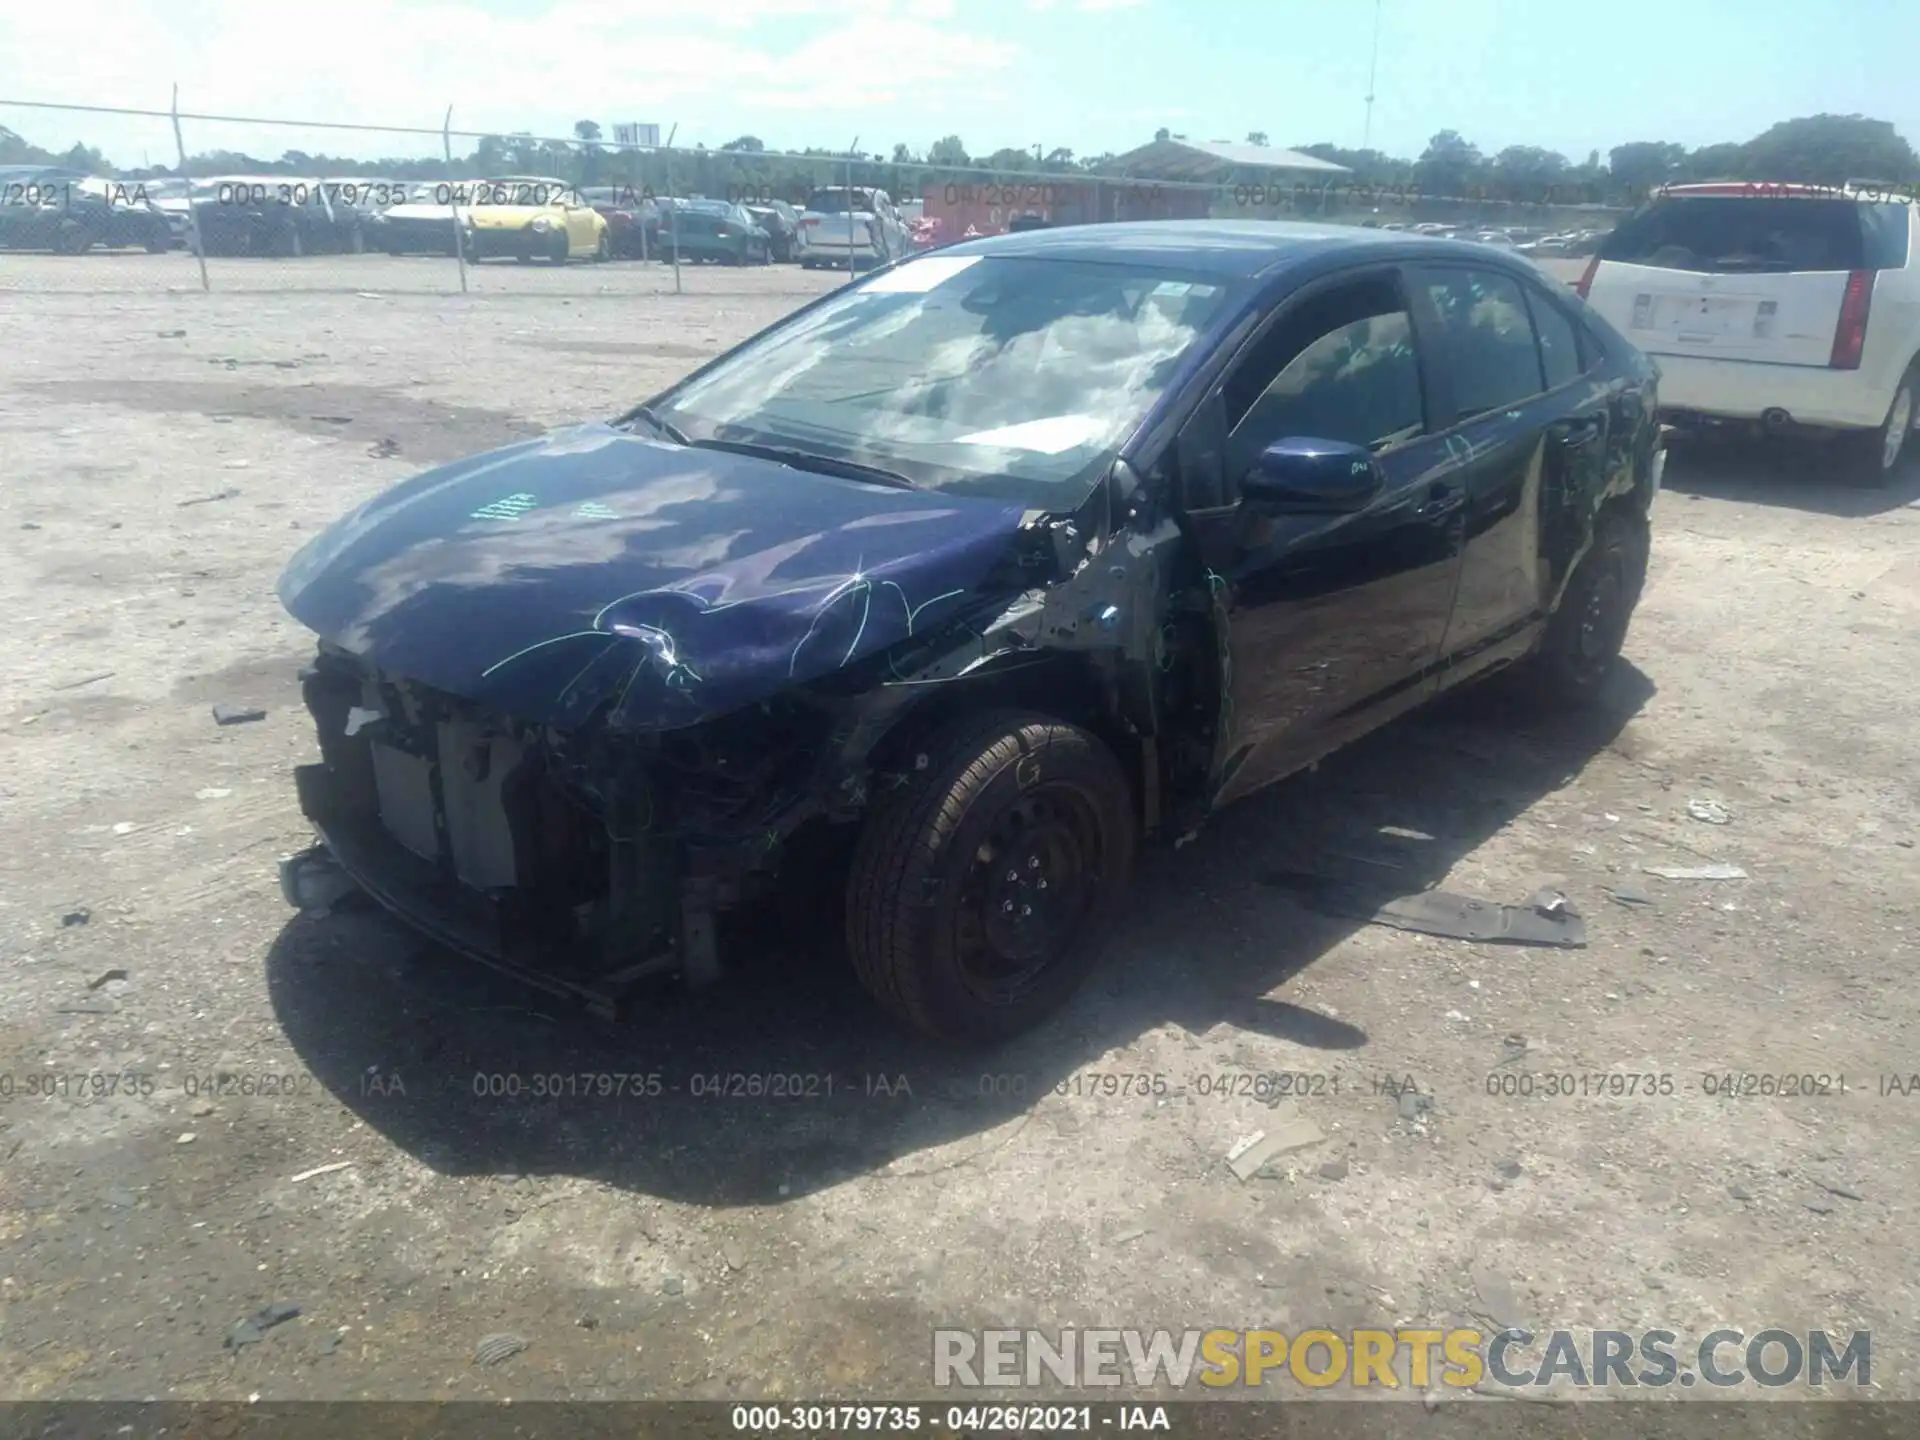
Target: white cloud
[(388, 62)]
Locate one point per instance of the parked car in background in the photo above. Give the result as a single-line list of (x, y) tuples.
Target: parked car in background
[(421, 219), (1182, 508), (1789, 309), (782, 224), (626, 212), (713, 230), (278, 215), (1498, 239), (174, 200), (838, 226), (70, 213), (529, 217)]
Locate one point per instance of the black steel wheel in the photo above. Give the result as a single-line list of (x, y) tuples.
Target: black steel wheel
[(984, 882), (1585, 634)]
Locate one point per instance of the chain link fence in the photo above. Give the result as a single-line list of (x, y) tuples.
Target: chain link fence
[(425, 209)]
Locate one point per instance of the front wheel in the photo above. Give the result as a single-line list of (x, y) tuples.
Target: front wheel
[(559, 248), (603, 251), (1585, 634), (1875, 457), (984, 881)]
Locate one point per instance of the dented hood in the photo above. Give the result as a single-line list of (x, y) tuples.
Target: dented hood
[(547, 578)]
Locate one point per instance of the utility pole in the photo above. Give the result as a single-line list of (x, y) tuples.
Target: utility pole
[(1373, 70)]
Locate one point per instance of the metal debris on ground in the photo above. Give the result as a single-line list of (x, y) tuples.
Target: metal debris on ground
[(79, 915), (1334, 1170), (1412, 1104), (237, 714), (1290, 1131), (492, 1349), (1835, 1188), (89, 680), (106, 976), (228, 494), (1696, 872), (319, 1170), (253, 1329), (1127, 1237), (1709, 812), (1627, 893), (1546, 919)]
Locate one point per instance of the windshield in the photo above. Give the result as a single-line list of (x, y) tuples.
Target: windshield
[(1013, 378)]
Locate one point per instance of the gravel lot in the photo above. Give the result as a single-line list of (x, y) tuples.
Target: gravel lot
[(168, 450)]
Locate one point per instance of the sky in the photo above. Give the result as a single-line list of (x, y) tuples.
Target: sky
[(1087, 75)]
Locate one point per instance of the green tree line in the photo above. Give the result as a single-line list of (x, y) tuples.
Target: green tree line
[(1827, 149)]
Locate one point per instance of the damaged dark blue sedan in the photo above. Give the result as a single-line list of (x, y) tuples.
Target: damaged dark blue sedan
[(997, 562)]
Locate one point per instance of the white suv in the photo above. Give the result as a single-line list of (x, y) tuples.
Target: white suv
[(1791, 308)]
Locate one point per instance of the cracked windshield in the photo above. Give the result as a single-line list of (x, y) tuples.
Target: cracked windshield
[(958, 718)]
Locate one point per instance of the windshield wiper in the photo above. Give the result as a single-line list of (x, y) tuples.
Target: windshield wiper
[(808, 460), (646, 414)]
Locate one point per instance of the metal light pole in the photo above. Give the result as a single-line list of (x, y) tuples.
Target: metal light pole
[(1373, 69)]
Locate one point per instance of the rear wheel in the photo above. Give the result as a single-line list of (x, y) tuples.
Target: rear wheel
[(1875, 457), (1585, 634), (603, 251), (983, 884)]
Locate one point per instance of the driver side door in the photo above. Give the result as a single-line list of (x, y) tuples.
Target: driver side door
[(1336, 621), (582, 231)]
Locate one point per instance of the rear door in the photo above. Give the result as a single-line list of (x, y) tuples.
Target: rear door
[(1530, 421), (1750, 277)]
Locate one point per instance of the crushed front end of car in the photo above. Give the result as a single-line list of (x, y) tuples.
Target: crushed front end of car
[(575, 700)]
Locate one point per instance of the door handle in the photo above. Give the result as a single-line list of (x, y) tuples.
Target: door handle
[(1443, 498), (1575, 433)]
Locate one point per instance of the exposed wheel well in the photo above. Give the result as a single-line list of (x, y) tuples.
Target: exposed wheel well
[(1077, 688)]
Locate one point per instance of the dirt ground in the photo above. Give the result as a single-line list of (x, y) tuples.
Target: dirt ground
[(165, 453)]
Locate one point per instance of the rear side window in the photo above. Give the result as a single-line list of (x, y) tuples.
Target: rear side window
[(1886, 228), (1730, 234), (1560, 353), (1494, 362)]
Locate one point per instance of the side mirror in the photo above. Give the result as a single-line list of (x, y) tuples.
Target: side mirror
[(1303, 476)]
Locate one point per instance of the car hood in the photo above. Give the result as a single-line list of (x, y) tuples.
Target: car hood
[(548, 577), (420, 210), (512, 217)]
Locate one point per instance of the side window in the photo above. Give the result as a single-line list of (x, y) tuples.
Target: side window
[(1559, 342), (1493, 361), (1341, 367)]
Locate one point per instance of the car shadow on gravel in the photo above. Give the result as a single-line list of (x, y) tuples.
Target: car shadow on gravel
[(1794, 474), (474, 1074)]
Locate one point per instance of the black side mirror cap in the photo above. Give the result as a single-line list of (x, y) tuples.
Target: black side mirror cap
[(1304, 476)]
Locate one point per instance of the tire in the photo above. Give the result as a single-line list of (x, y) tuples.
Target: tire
[(931, 924), (560, 250), (159, 244), (73, 240), (287, 243), (603, 252), (1875, 457), (1586, 632)]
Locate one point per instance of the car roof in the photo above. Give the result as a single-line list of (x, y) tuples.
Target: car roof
[(1243, 249)]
